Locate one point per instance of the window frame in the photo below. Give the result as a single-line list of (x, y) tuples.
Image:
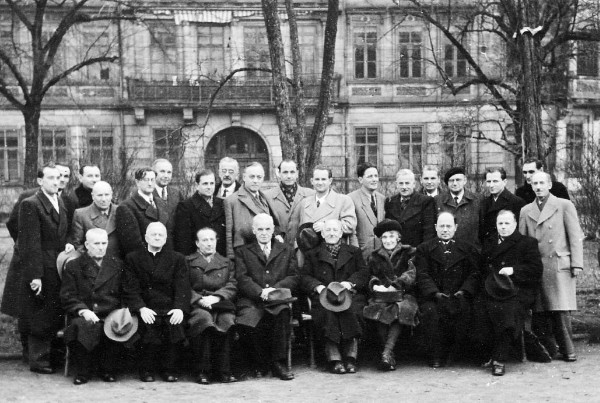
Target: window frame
[(261, 49), (174, 155), (575, 147), (466, 154), (42, 148), (456, 58), (104, 165), (588, 63), (366, 145), (216, 52), (414, 166), (5, 149), (365, 62), (411, 62), (160, 54)]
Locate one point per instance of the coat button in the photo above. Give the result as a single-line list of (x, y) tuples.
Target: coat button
[(267, 271), (219, 275), (550, 241), (266, 285)]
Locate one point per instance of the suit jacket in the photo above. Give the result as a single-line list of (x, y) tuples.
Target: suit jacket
[(560, 241), (193, 214), (489, 212), (461, 271), (89, 217), (288, 215), (217, 191), (133, 217), (174, 196), (254, 272), (417, 219), (466, 214), (526, 193), (335, 206), (366, 220), (240, 209)]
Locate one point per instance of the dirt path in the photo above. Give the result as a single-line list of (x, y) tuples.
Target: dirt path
[(412, 382)]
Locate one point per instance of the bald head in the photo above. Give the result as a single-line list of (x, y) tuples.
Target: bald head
[(102, 195), (156, 236), (96, 242)]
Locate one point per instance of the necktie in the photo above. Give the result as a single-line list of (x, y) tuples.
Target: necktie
[(403, 202), (55, 203), (374, 205), (266, 250), (456, 200), (151, 201), (500, 239), (164, 193), (224, 192), (318, 203)]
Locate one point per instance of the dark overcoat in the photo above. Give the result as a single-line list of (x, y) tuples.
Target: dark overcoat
[(217, 191), (193, 214), (526, 192), (288, 215), (168, 207), (490, 209), (321, 269), (417, 219), (89, 217), (466, 214), (254, 272), (217, 278), (83, 196)]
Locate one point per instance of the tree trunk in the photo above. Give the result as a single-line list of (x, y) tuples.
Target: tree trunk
[(31, 115)]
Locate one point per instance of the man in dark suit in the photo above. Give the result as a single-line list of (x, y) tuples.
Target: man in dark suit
[(91, 289), (88, 176), (430, 181), (499, 199), (166, 197), (200, 211), (263, 267), (526, 192), (42, 236), (447, 279), (102, 213), (229, 170), (135, 213), (414, 211)]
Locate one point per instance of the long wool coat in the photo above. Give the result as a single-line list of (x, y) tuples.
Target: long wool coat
[(417, 218), (466, 214), (288, 215), (560, 241), (366, 220)]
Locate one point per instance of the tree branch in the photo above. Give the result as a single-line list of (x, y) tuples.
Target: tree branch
[(9, 95), (19, 13), (16, 73)]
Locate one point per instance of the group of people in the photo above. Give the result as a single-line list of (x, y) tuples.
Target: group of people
[(159, 272)]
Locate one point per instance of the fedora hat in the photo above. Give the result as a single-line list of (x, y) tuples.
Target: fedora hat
[(335, 297), (307, 238), (63, 258), (119, 325), (278, 300), (385, 226), (499, 286)]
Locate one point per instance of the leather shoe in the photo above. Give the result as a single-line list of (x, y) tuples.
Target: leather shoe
[(146, 376), (169, 377), (202, 379), (437, 363), (80, 380), (280, 371), (227, 378), (337, 368), (42, 370), (497, 369), (569, 357), (388, 363), (260, 373), (108, 377), (350, 367)]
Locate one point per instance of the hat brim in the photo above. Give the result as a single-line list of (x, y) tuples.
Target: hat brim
[(120, 338), (64, 258), (331, 307), (496, 291), (276, 302)]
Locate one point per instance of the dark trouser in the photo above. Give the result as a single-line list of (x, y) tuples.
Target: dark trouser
[(388, 335), (552, 328), (105, 355), (269, 338), (166, 354), (211, 350), (348, 347), (442, 328)]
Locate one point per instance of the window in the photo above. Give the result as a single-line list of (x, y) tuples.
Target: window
[(366, 141), (100, 148), (211, 50), (54, 145), (411, 147), (365, 52), (587, 58), (8, 45), (163, 53), (574, 142), (307, 40), (96, 43), (9, 155), (455, 63), (411, 57), (256, 51), (167, 144), (454, 146)]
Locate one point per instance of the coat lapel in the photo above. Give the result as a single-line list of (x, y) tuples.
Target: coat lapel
[(324, 256), (505, 245), (276, 249), (108, 270), (344, 256), (549, 209), (256, 249), (281, 197), (149, 211), (366, 206), (245, 198)]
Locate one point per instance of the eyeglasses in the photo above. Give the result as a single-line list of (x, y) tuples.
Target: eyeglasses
[(147, 179), (531, 172), (227, 171)]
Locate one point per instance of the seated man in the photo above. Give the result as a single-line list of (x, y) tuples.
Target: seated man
[(156, 286), (328, 267), (513, 274), (91, 289), (262, 267), (447, 279)]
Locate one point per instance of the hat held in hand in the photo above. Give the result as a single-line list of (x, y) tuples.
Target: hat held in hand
[(335, 297), (307, 238), (278, 300), (119, 325), (499, 286)]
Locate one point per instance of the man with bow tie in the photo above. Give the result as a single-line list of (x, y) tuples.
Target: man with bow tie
[(554, 223), (447, 279)]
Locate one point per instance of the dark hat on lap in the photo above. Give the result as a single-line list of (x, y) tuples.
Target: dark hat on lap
[(500, 287), (278, 300)]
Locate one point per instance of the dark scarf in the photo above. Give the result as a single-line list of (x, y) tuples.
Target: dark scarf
[(289, 191), (334, 249)]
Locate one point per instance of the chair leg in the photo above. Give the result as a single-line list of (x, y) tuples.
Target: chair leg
[(289, 348), (67, 356), (311, 346)]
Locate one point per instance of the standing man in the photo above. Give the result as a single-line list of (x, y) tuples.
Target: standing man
[(167, 197), (526, 192), (42, 236), (202, 210), (229, 170), (241, 207), (554, 223), (462, 203), (415, 212), (369, 206), (499, 199), (88, 176), (430, 181), (135, 213), (286, 199), (327, 204), (102, 213)]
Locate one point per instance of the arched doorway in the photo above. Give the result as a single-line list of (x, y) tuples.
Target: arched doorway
[(239, 143)]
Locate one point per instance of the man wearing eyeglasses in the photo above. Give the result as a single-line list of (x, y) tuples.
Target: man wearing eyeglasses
[(229, 171), (525, 192)]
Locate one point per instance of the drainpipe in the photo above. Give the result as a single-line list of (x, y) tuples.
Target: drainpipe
[(123, 155)]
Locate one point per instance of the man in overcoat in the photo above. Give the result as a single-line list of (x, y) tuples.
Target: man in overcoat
[(229, 170), (286, 199), (42, 236), (262, 267), (156, 287), (202, 210), (336, 262), (414, 211), (430, 181), (91, 289), (166, 196), (526, 192), (554, 223), (88, 176), (448, 274), (369, 208)]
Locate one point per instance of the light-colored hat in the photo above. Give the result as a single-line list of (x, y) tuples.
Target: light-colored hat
[(63, 258), (119, 325)]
